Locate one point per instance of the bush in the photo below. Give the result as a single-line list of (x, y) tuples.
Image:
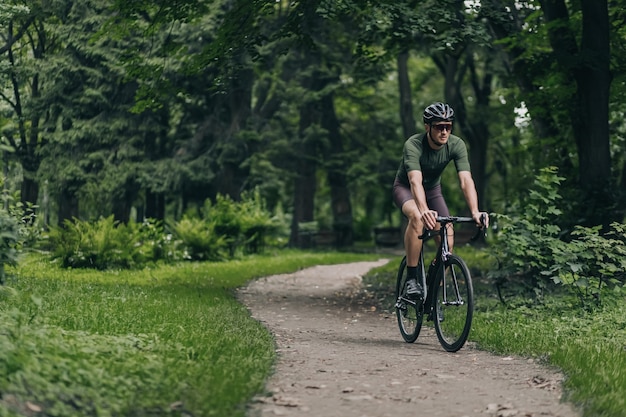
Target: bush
[(532, 248), (214, 232), (225, 228), (107, 244), (199, 238), (590, 261), (9, 241), (527, 235), (154, 243), (256, 222), (18, 231)]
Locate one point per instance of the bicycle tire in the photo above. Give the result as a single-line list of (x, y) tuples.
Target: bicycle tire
[(453, 311), (410, 314)]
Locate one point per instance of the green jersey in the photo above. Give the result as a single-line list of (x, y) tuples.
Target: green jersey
[(418, 155)]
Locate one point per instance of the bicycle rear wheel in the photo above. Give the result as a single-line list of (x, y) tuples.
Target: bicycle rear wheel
[(454, 304), (410, 313)]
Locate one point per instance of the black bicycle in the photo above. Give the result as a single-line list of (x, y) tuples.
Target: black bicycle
[(448, 295)]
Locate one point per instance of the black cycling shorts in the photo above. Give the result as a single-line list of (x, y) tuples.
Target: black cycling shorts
[(434, 197)]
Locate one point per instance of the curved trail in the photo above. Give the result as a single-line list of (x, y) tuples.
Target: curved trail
[(338, 356)]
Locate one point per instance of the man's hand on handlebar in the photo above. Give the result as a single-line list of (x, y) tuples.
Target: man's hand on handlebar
[(430, 219), (481, 219)]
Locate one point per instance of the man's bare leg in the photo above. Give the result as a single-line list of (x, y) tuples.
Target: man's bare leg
[(412, 245)]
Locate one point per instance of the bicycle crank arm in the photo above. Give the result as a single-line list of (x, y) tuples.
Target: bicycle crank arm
[(406, 301)]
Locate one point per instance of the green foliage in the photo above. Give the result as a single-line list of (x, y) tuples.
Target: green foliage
[(78, 373), (214, 232), (107, 244), (199, 238), (587, 346), (224, 214), (256, 221), (167, 340), (153, 243), (532, 249), (9, 240), (225, 228), (18, 231), (527, 236), (590, 261)]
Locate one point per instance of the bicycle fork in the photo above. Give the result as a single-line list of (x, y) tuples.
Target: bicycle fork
[(458, 301)]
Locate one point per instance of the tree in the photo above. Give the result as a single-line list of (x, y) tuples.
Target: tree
[(24, 43), (579, 58), (588, 63)]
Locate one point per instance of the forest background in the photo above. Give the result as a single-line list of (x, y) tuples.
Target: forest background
[(146, 109)]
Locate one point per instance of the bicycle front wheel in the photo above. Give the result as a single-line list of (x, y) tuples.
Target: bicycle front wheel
[(454, 304), (410, 313)]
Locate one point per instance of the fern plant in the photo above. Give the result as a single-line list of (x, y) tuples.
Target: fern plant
[(199, 238), (82, 244), (255, 220)]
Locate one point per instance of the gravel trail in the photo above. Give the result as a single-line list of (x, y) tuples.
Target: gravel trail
[(339, 356)]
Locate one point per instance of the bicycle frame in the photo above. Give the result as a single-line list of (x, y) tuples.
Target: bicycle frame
[(436, 268)]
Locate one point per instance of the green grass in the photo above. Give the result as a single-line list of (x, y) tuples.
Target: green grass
[(589, 347), (171, 340), (167, 340)]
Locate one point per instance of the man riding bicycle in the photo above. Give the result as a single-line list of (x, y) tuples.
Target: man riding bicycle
[(417, 186)]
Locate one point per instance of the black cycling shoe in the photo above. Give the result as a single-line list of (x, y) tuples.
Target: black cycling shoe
[(413, 289)]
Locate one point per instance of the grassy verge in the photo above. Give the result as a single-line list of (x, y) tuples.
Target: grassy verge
[(589, 347), (162, 341)]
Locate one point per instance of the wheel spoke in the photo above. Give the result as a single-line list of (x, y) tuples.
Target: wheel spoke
[(454, 305)]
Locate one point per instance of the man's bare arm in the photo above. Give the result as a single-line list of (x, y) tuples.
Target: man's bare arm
[(471, 197), (417, 189)]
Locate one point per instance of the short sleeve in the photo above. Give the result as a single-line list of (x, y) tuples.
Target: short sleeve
[(411, 156), (460, 156)]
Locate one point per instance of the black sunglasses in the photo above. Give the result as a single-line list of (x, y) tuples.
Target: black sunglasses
[(443, 126)]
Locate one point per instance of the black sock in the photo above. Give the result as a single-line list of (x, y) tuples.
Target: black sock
[(411, 272)]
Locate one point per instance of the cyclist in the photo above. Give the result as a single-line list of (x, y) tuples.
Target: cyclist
[(417, 186)]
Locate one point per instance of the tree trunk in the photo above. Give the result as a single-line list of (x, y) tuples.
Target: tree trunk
[(121, 207), (232, 176), (589, 66), (155, 206), (68, 206), (594, 82), (29, 190), (336, 171), (305, 182), (406, 103)]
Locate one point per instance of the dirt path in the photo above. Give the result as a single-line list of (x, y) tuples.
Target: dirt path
[(338, 356)]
